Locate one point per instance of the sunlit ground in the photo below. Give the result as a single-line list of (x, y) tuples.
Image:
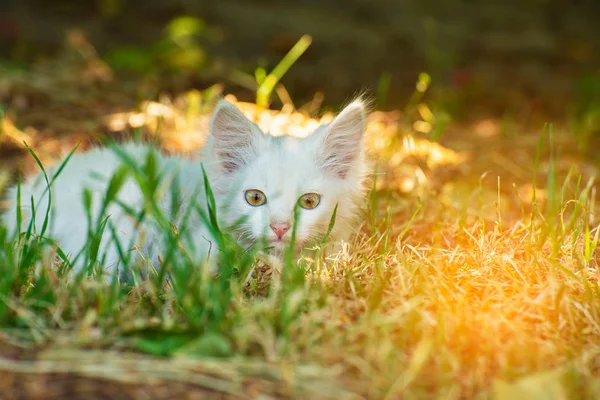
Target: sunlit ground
[(473, 275)]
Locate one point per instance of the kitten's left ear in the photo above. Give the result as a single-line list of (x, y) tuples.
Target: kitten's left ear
[(342, 144)]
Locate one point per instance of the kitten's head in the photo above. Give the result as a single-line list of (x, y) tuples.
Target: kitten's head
[(259, 179)]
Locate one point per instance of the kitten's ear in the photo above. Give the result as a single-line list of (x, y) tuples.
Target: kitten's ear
[(342, 143), (232, 136)]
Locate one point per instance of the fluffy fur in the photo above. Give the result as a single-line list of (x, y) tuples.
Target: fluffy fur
[(238, 157)]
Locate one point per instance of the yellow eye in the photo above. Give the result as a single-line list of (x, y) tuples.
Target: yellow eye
[(255, 197), (309, 200)]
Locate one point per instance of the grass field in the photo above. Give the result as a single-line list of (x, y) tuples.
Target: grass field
[(473, 275)]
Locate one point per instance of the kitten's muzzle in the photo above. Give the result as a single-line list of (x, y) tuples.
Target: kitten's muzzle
[(280, 228)]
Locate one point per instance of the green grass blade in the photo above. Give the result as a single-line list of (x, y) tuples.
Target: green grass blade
[(49, 207), (330, 226), (19, 214), (264, 91), (64, 163)]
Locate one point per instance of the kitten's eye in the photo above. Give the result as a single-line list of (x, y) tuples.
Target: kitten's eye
[(309, 200), (255, 197)]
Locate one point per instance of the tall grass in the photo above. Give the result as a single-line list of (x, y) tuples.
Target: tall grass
[(180, 289), (422, 304)]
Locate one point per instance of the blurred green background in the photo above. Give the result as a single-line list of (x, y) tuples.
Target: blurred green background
[(494, 55)]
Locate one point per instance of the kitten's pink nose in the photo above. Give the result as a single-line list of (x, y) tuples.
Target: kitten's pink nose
[(280, 228)]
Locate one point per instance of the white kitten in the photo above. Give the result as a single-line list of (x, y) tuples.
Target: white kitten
[(257, 181)]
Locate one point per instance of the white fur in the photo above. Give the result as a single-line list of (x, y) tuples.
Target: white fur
[(237, 157)]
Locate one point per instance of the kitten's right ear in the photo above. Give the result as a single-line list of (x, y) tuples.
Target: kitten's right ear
[(233, 136)]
